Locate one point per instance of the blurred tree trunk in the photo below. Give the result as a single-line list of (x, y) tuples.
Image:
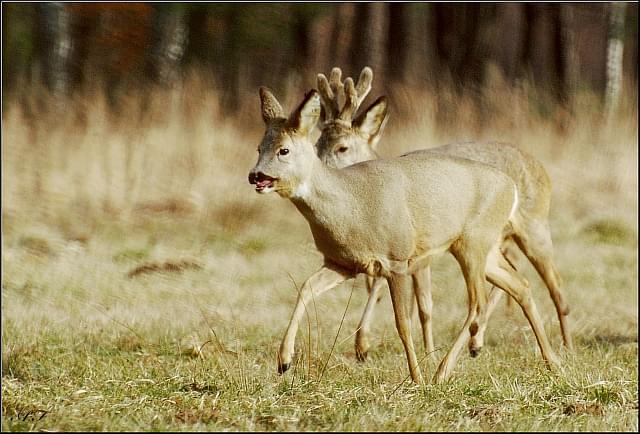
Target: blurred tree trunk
[(54, 45), (10, 70), (163, 59), (18, 57), (231, 58), (615, 51), (341, 36), (321, 54), (123, 43), (368, 43), (197, 50), (169, 43), (419, 54), (302, 42), (457, 37), (85, 24), (432, 65), (585, 28), (509, 51), (217, 52), (545, 50), (630, 54), (398, 46), (571, 59)]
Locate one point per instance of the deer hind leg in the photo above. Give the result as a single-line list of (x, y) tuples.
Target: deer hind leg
[(421, 280), (472, 263), (495, 294), (535, 242), (374, 288), (509, 251), (501, 274), (325, 278), (399, 299)]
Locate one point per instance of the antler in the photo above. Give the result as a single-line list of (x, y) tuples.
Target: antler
[(351, 101), (364, 84), (330, 91)]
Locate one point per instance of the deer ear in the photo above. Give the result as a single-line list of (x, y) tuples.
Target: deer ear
[(372, 121), (305, 117), (271, 108)]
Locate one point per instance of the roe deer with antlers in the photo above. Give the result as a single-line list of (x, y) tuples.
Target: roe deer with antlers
[(388, 217), (344, 142)]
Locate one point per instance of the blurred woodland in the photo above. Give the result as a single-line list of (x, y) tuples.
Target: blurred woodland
[(73, 49)]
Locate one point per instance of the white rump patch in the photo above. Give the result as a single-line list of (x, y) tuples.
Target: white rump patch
[(514, 208)]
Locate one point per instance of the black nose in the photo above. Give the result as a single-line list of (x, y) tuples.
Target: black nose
[(252, 177)]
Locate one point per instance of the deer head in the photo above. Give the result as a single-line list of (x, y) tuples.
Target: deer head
[(345, 140), (286, 153)]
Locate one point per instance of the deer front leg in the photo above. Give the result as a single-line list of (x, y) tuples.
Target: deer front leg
[(399, 294), (472, 262), (325, 278), (374, 287)]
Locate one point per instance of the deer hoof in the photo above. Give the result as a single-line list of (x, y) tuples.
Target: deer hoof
[(361, 355), (283, 367), (474, 352)]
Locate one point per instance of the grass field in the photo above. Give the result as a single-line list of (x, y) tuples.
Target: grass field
[(145, 286)]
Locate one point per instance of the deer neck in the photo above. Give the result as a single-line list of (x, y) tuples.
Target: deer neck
[(322, 197)]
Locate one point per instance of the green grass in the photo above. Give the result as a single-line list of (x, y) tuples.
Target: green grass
[(87, 348), (99, 381)]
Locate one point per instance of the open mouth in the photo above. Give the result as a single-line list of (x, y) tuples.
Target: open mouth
[(264, 183)]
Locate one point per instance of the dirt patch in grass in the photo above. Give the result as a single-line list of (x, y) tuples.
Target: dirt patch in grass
[(576, 409), (192, 416), (36, 245), (608, 231), (171, 206), (489, 414), (236, 215), (166, 267)]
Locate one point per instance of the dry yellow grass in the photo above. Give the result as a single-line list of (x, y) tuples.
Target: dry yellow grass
[(87, 200)]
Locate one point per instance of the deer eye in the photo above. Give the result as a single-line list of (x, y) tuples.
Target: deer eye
[(283, 151), (343, 149)]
